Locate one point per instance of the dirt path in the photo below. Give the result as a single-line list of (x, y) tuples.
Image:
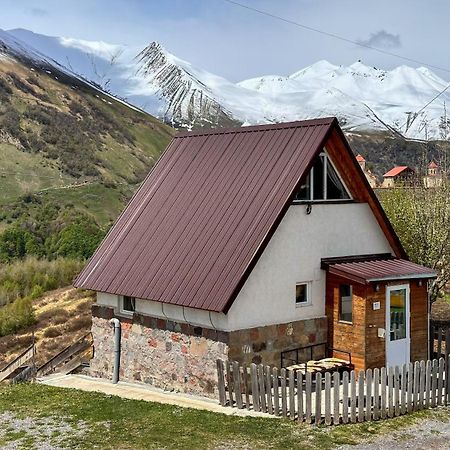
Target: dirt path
[(427, 435)]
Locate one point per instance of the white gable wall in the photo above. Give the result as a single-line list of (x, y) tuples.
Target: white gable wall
[(293, 255)]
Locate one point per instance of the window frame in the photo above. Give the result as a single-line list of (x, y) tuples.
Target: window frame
[(311, 199), (340, 320), (308, 294), (122, 305)]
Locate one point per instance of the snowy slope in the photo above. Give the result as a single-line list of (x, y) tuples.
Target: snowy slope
[(363, 98)]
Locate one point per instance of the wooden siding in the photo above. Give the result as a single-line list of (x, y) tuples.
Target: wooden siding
[(349, 337), (361, 337)]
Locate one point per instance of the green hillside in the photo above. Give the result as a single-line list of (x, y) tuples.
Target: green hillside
[(69, 154)]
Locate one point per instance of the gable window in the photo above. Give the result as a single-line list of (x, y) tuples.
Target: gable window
[(322, 183), (128, 304), (302, 294), (346, 303)]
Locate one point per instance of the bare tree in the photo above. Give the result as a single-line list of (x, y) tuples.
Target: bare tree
[(421, 217), (102, 74)]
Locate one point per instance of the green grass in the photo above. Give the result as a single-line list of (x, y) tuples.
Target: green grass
[(114, 423), (22, 172)]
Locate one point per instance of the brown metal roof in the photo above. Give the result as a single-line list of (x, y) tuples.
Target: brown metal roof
[(191, 233), (380, 270)]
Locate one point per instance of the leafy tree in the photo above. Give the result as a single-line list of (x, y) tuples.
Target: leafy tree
[(16, 243), (421, 218), (79, 239)]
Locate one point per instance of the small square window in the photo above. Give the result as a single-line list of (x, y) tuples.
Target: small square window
[(301, 293), (128, 304), (346, 303)]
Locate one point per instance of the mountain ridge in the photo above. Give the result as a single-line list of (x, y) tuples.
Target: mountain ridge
[(363, 98)]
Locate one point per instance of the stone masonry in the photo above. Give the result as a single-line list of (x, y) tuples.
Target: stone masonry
[(182, 357), (265, 344), (164, 354)]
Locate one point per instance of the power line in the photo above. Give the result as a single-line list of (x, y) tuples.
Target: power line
[(429, 103), (344, 39), (334, 36)]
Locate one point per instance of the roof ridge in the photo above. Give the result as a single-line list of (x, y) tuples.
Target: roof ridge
[(266, 127)]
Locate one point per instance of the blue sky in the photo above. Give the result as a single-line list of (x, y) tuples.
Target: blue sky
[(238, 43)]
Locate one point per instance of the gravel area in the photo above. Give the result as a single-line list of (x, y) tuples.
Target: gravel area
[(45, 433), (427, 435)]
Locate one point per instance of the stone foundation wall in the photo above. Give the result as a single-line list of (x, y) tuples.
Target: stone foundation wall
[(179, 356), (265, 344), (161, 353)]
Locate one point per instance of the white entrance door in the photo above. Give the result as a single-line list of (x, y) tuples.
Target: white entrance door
[(397, 325)]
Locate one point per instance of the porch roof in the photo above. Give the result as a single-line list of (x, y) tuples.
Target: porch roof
[(371, 270)]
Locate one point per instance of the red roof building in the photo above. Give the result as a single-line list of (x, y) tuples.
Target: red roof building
[(399, 175), (221, 250)]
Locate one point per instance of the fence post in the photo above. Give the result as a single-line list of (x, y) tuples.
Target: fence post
[(308, 396), (440, 381), (268, 385), (352, 396), (368, 394), (376, 394), (383, 392), (410, 387), (434, 373), (396, 391), (428, 375), (447, 366), (262, 390), (246, 388), (237, 384), (327, 398), (276, 392), (416, 385), (345, 397), (318, 405), (291, 394), (254, 383), (390, 392), (336, 396), (421, 382), (447, 377), (299, 396), (283, 392), (361, 396), (229, 382), (221, 382), (403, 389)]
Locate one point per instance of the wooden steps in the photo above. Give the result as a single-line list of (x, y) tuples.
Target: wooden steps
[(20, 361), (68, 359)]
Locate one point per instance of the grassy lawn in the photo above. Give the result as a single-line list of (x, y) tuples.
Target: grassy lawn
[(33, 415)]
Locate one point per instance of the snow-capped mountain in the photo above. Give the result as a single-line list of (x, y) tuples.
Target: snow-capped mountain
[(363, 98)]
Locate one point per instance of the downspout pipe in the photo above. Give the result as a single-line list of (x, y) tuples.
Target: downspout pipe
[(115, 324)]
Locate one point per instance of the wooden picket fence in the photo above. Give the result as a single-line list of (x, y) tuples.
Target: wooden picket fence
[(334, 398)]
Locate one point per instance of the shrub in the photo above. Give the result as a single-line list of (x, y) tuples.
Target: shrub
[(16, 315), (21, 278), (37, 291), (52, 332)]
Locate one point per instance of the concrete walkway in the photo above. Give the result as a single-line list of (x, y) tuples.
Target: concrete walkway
[(143, 392)]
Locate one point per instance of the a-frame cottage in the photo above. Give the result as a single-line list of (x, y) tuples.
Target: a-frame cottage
[(254, 244)]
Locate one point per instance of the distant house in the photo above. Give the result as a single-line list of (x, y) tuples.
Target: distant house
[(247, 244), (398, 176), (434, 177), (371, 178)]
